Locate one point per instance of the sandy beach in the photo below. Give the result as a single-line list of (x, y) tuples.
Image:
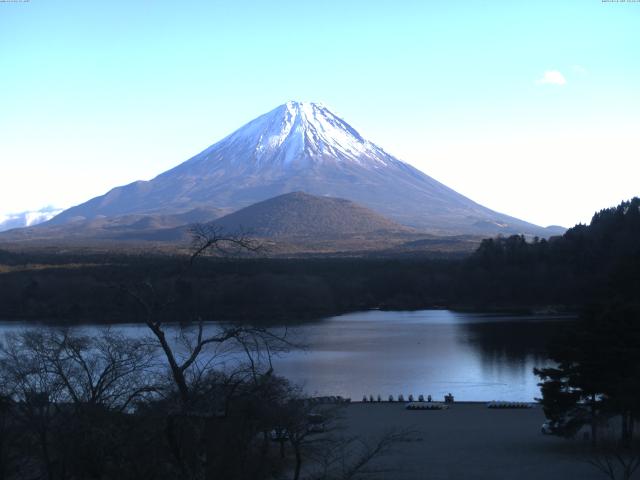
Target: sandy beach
[(470, 441)]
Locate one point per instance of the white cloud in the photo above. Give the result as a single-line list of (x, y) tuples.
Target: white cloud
[(552, 77), (27, 219)]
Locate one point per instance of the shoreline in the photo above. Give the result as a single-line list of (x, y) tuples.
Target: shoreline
[(563, 313)]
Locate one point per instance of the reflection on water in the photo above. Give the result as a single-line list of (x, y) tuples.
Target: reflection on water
[(473, 356)]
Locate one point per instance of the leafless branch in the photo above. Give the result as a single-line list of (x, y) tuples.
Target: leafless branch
[(211, 238), (616, 461)]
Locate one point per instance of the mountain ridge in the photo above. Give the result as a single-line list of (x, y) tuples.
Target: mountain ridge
[(302, 146)]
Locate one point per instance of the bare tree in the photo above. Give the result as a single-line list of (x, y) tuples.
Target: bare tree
[(315, 431), (108, 369), (211, 366), (615, 460), (194, 337), (351, 458), (209, 238), (10, 437), (63, 386), (34, 391)]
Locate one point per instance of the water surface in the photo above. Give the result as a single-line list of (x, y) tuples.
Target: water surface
[(473, 356), (429, 352)]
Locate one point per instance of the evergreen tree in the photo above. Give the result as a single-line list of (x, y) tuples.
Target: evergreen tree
[(597, 372)]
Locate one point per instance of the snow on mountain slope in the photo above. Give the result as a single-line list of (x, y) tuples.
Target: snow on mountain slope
[(297, 131), (304, 147)]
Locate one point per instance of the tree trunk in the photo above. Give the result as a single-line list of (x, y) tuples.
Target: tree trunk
[(174, 445), (45, 453), (176, 372), (265, 443), (594, 426), (3, 459), (625, 428), (296, 448)]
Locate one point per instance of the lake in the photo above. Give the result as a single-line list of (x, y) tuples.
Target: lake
[(429, 352)]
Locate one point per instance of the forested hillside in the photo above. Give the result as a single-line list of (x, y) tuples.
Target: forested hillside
[(589, 262), (598, 261)]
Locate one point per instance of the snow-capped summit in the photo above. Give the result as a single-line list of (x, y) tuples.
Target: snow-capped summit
[(302, 146), (299, 135), (303, 132)]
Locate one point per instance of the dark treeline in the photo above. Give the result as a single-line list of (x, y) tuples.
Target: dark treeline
[(588, 262), (258, 289), (594, 381)]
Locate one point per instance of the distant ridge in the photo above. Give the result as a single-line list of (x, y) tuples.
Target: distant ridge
[(291, 224), (163, 228), (299, 214)]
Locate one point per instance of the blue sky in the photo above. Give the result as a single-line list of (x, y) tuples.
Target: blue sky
[(531, 108)]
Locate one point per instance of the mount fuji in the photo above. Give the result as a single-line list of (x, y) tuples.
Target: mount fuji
[(301, 147)]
